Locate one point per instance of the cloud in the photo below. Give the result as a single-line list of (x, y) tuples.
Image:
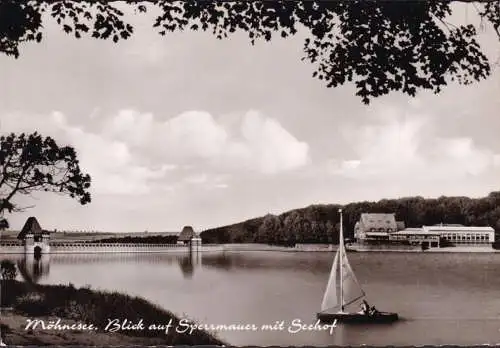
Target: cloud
[(112, 166), (130, 126), (197, 178), (408, 148), (496, 160), (464, 157), (260, 144), (194, 134), (134, 153), (208, 181), (272, 148)]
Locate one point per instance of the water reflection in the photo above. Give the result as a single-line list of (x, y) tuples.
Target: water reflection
[(188, 263), (34, 268), (257, 261), (432, 292)]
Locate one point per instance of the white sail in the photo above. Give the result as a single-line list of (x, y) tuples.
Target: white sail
[(330, 299), (351, 289), (342, 276)]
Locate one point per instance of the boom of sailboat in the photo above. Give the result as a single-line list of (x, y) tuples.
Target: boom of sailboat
[(343, 291)]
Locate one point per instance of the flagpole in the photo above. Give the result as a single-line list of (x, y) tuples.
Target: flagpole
[(1, 283), (341, 257)]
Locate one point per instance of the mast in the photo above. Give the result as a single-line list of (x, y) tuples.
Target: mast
[(341, 257)]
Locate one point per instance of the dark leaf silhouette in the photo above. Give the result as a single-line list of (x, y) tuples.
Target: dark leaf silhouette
[(30, 163), (379, 46), (8, 270)]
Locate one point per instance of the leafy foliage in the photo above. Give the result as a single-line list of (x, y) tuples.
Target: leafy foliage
[(379, 46), (320, 223), (4, 224), (30, 163), (33, 303), (8, 270), (92, 306)]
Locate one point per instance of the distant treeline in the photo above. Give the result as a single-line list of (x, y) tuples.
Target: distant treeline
[(145, 240), (320, 223)]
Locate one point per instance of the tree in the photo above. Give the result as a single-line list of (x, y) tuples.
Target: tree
[(8, 270), (268, 229), (320, 223), (30, 163), (379, 46), (333, 236), (4, 224)]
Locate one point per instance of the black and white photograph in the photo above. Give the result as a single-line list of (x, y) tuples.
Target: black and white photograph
[(249, 173)]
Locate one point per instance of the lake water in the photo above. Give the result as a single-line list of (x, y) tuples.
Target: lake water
[(442, 298)]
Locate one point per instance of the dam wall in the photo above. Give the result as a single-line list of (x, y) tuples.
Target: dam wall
[(86, 248), (90, 248), (11, 248)]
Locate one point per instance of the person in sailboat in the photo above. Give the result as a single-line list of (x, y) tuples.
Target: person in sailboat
[(365, 307), (373, 310)]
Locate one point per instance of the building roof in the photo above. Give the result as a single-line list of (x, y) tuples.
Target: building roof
[(186, 234), (449, 228), (377, 221), (415, 232), (377, 234), (31, 226)]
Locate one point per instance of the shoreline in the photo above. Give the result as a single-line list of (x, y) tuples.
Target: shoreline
[(15, 334), (237, 247), (457, 250), (333, 248), (78, 308)]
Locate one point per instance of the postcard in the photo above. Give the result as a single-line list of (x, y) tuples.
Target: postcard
[(249, 173)]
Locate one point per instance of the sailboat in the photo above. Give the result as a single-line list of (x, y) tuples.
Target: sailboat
[(343, 290)]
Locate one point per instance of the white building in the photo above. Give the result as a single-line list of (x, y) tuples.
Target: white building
[(463, 235), (415, 236), (375, 227), (383, 228)]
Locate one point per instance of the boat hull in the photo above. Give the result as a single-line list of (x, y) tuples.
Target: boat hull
[(377, 318)]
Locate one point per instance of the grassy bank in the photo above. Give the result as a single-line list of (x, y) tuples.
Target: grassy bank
[(73, 306)]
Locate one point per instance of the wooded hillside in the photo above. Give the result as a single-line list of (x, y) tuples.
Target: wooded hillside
[(319, 223)]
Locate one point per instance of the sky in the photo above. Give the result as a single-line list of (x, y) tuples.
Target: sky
[(190, 130)]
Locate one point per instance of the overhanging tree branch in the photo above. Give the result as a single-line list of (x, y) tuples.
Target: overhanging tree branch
[(30, 163), (379, 46)]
